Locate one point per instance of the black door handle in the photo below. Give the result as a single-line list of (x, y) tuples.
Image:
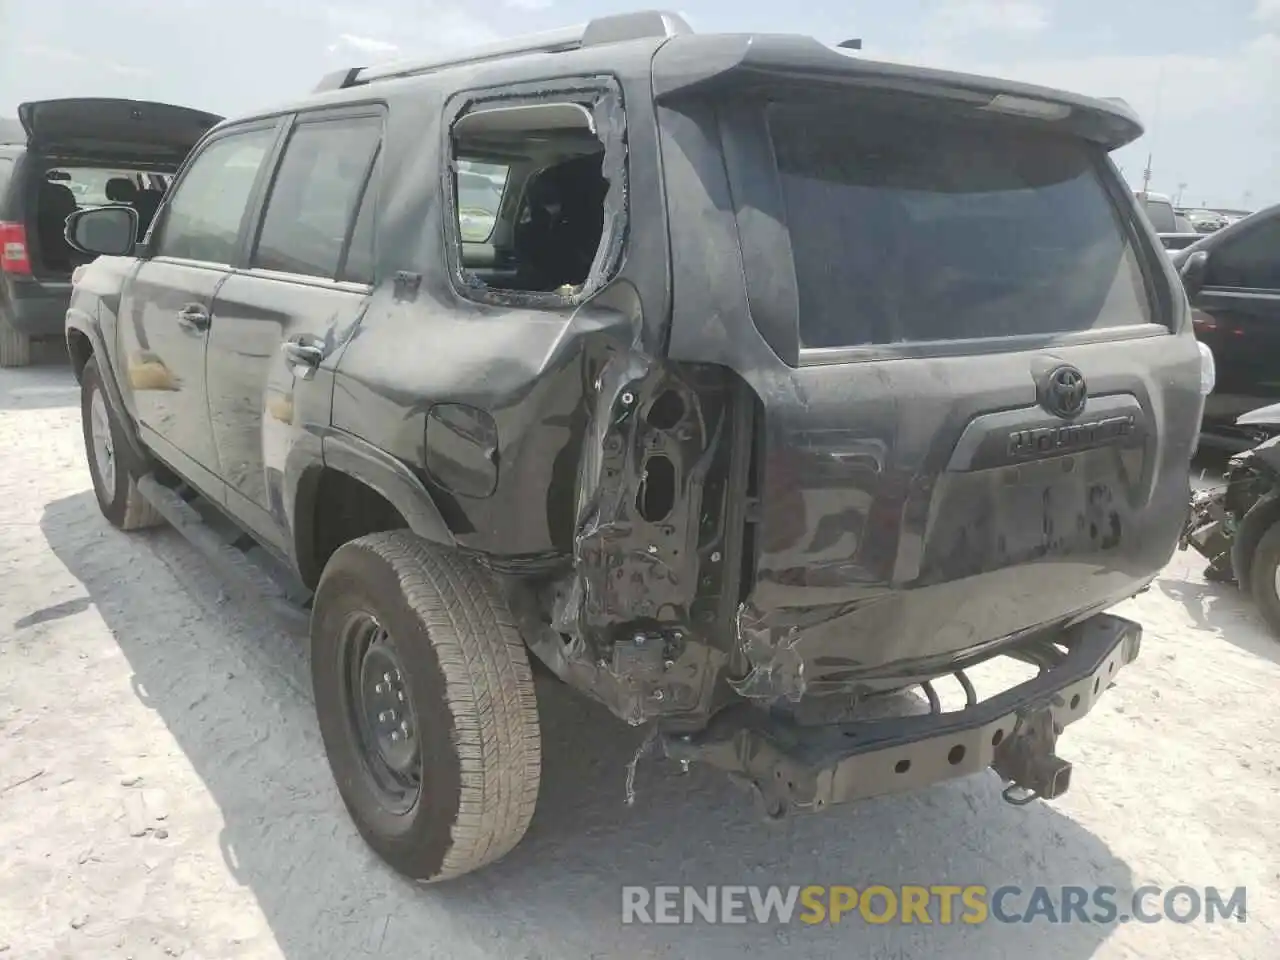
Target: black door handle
[(300, 352), (194, 316)]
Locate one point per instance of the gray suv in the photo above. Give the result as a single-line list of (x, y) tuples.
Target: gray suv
[(760, 381)]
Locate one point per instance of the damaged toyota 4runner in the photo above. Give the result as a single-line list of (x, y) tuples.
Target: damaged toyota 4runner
[(738, 379)]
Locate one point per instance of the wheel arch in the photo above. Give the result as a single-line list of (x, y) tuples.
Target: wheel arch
[(84, 343), (367, 483)]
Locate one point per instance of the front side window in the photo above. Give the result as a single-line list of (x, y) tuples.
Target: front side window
[(208, 205), (314, 197), (913, 227), (1250, 261)]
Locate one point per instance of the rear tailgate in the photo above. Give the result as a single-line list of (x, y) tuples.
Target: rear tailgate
[(977, 415), (101, 128)]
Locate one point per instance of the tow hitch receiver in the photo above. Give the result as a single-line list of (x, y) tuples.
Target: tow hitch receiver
[(1026, 759), (788, 765)]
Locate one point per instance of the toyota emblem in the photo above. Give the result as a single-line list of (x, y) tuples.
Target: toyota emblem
[(1063, 392)]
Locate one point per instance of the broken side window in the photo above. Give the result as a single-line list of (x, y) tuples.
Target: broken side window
[(533, 183)]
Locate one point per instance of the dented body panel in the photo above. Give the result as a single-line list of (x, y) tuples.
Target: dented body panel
[(689, 511)]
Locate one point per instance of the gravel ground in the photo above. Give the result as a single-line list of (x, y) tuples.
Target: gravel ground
[(163, 791)]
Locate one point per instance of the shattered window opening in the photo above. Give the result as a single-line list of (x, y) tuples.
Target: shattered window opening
[(546, 235)]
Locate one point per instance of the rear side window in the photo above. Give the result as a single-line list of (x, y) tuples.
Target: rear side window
[(6, 171), (208, 205), (358, 266), (905, 229), (1250, 261), (313, 201)]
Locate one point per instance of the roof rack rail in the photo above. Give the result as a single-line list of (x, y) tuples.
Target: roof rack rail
[(610, 29)]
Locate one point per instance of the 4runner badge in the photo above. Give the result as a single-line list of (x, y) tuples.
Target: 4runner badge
[(1063, 392)]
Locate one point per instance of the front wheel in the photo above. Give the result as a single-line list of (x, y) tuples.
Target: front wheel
[(1264, 577), (426, 704), (113, 467)]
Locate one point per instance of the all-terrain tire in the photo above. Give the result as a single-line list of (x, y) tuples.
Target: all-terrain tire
[(1262, 577), (119, 499), (471, 692), (15, 346)]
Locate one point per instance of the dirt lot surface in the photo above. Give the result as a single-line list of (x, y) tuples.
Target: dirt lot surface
[(163, 791)]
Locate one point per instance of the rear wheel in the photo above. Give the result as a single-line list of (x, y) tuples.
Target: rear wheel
[(15, 346), (426, 704), (1264, 577), (113, 466)]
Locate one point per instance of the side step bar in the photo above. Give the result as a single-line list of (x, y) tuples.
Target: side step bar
[(247, 579)]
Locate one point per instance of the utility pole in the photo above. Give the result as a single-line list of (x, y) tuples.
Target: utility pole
[(1146, 176), (1177, 201)]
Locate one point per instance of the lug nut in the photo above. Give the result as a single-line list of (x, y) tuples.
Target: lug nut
[(404, 727), (379, 688), (396, 736), (715, 557), (386, 678), (396, 674), (400, 696), (386, 716)]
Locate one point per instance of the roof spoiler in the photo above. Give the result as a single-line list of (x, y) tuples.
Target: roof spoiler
[(611, 29)]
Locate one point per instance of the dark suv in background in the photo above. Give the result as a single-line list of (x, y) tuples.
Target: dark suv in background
[(60, 156), (750, 382), (1232, 277)]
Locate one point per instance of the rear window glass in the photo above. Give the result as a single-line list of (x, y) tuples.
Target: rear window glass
[(912, 229)]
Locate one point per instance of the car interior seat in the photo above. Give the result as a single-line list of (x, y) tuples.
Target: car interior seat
[(55, 203), (557, 241), (121, 190)]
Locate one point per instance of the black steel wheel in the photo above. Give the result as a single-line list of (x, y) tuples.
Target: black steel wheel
[(426, 704)]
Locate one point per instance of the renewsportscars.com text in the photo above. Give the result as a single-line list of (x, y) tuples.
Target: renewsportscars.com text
[(941, 904)]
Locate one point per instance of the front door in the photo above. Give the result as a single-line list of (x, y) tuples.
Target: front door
[(168, 307), (281, 320)]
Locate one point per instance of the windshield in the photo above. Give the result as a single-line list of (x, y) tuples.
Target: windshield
[(915, 228)]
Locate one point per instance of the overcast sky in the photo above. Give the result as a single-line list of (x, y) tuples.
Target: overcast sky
[(1204, 74)]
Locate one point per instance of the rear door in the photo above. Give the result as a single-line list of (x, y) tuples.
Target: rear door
[(280, 318), (1237, 314), (168, 306), (976, 416)]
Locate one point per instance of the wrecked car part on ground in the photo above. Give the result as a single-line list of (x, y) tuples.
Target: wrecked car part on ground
[(668, 360), (1235, 524)]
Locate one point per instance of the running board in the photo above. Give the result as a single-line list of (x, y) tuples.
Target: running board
[(230, 551)]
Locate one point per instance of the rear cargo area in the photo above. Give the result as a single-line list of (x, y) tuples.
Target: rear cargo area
[(64, 188)]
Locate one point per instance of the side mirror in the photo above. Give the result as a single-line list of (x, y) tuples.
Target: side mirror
[(105, 231), (1193, 271)]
